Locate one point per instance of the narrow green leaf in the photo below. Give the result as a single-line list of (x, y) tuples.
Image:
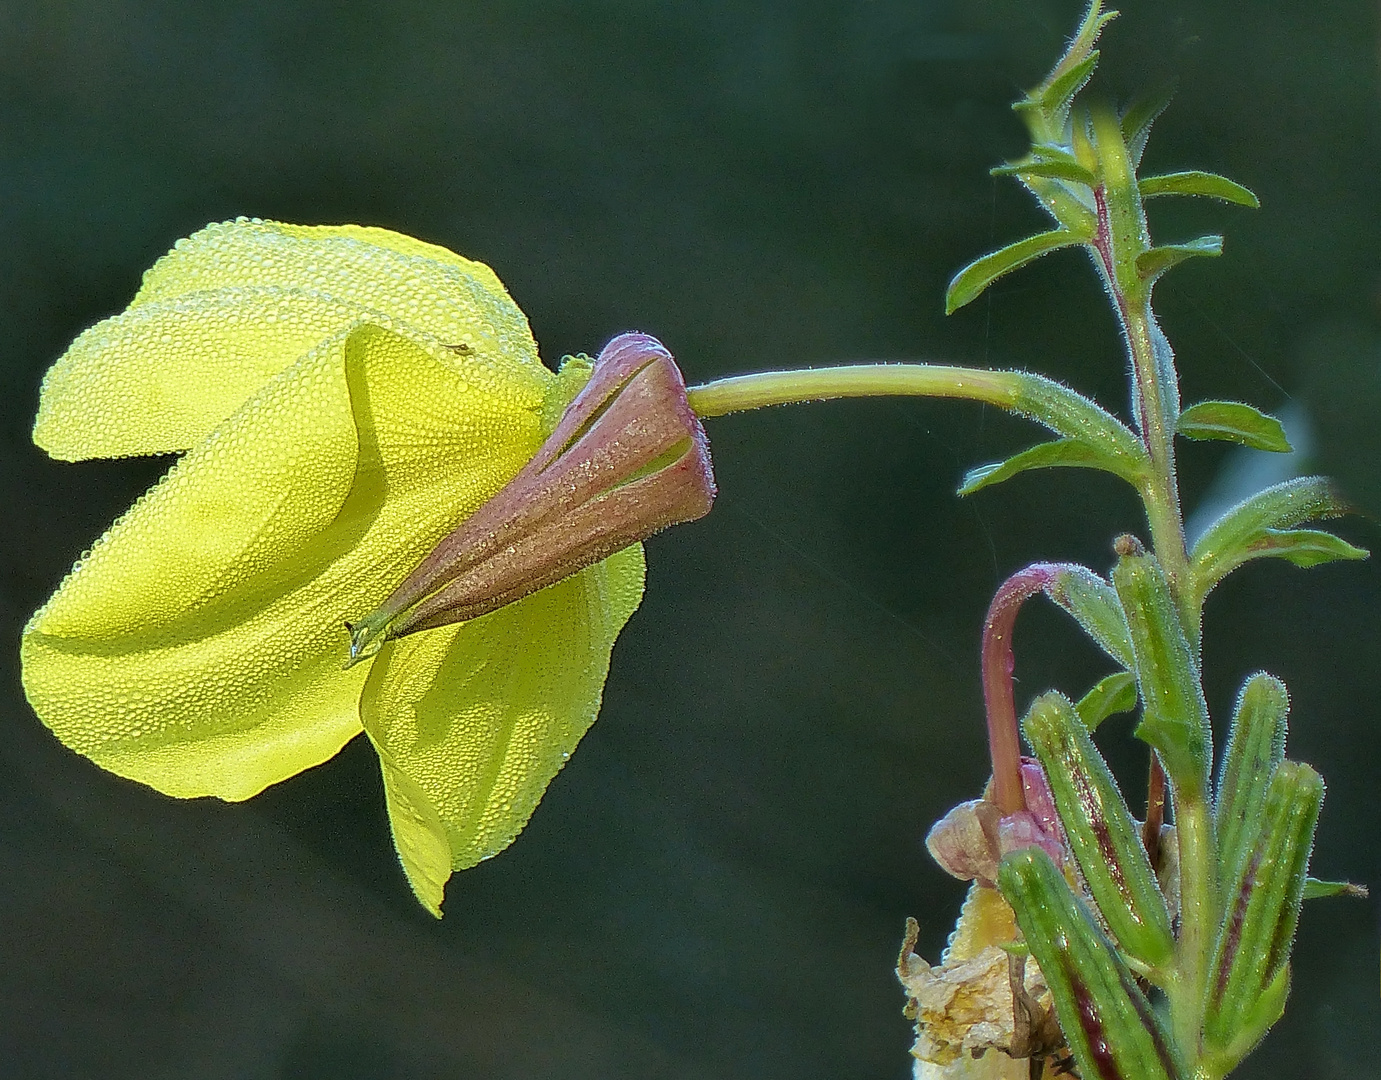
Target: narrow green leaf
[(1303, 547), (1233, 421), (1113, 694), (1100, 830), (1046, 108), (1111, 1028), (1253, 528), (1256, 745), (1153, 263), (1174, 719), (969, 283), (1062, 453), (1073, 416), (1314, 889), (1052, 97), (1094, 605), (1206, 184), (1263, 905), (1050, 169), (1138, 118)]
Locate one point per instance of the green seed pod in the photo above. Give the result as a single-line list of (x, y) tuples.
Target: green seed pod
[(1245, 983), (1256, 745), (1100, 830), (1109, 1025), (1175, 719)]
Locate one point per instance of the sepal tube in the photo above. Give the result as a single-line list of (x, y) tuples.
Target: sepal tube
[(628, 459)]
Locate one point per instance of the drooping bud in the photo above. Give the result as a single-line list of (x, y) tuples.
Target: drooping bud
[(628, 459)]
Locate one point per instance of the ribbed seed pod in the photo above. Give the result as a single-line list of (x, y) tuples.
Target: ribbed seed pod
[(1247, 980), (1100, 831), (1256, 745), (1107, 1022), (1175, 721)]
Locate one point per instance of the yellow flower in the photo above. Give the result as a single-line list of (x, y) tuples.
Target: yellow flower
[(342, 396)]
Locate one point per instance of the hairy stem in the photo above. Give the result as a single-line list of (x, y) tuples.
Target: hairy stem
[(1198, 921), (755, 391), (1121, 238), (1004, 738)]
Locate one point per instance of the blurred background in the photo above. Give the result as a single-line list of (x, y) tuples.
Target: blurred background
[(716, 884)]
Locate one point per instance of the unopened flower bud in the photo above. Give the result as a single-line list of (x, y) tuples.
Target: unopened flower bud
[(628, 459)]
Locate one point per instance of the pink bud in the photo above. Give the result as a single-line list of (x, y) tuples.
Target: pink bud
[(628, 459)]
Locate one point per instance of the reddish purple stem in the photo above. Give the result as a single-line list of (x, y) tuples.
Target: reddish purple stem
[(1004, 740)]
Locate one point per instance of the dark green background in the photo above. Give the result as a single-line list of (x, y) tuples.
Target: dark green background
[(716, 885)]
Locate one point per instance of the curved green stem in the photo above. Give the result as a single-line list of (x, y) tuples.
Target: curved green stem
[(742, 392), (1198, 921)]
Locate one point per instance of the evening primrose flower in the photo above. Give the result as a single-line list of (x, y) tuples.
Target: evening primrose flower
[(342, 397)]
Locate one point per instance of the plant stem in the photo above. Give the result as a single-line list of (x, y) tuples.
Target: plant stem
[(1155, 812), (1120, 240), (1148, 351), (1198, 921), (723, 396), (1004, 739)]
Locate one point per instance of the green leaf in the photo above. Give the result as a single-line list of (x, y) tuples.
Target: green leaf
[(1075, 417), (1153, 263), (1100, 830), (1175, 718), (969, 283), (1094, 604), (1113, 1032), (1314, 889), (1113, 694), (1304, 547), (1138, 118), (1255, 1021), (1261, 526), (1062, 453), (1263, 902), (1055, 95), (1206, 184), (1046, 108), (1232, 421), (1256, 746), (1063, 167)]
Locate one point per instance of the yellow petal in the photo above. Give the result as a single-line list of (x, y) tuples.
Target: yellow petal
[(481, 716), (199, 646), (236, 303), (157, 378), (418, 834)]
